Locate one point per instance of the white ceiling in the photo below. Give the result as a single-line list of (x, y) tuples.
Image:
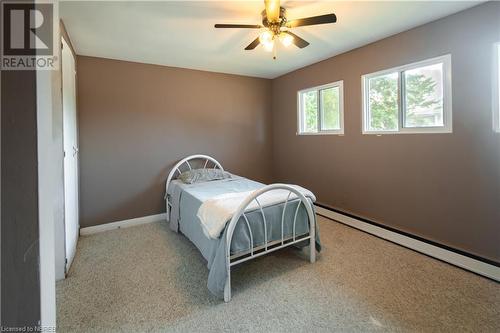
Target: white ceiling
[(181, 33)]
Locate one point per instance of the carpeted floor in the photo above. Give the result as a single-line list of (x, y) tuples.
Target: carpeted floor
[(148, 278)]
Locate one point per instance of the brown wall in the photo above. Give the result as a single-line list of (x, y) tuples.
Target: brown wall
[(137, 120), (443, 187)]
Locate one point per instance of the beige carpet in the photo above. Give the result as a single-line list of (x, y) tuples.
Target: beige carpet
[(148, 278)]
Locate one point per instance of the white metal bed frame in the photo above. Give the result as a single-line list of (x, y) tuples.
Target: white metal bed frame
[(268, 246)]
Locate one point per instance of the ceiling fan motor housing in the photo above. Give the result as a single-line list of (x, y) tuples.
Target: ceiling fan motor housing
[(275, 27)]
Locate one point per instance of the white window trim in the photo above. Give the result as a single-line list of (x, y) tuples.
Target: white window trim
[(340, 85), (447, 98), (496, 87)]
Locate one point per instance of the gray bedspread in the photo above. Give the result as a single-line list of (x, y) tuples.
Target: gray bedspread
[(186, 200)]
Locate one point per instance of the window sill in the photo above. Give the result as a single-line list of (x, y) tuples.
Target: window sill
[(415, 131), (338, 133)]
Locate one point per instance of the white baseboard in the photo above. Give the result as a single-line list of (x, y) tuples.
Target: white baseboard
[(451, 257), (122, 224)]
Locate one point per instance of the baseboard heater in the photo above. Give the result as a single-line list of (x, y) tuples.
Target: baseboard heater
[(459, 258)]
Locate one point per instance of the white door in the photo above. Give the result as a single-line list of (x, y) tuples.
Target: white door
[(70, 137)]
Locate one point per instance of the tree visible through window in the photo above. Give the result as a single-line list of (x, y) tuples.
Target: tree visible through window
[(384, 102), (424, 96), (311, 111), (330, 105)]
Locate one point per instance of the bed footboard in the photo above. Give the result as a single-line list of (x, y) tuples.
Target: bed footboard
[(269, 246)]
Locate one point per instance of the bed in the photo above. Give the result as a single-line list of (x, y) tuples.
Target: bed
[(257, 219)]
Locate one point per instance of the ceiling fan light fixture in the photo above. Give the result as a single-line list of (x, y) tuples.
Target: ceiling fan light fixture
[(266, 37), (286, 39), (269, 46)]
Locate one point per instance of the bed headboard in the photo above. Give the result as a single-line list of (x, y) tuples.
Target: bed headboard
[(186, 161), (177, 169)]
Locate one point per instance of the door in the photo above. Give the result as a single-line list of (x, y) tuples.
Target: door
[(70, 138)]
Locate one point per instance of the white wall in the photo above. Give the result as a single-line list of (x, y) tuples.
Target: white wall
[(46, 190)]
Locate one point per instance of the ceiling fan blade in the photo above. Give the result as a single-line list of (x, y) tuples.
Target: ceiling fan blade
[(297, 40), (243, 26), (272, 10), (313, 20), (253, 44)]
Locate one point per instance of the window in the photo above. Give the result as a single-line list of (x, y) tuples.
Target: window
[(321, 109), (415, 98)]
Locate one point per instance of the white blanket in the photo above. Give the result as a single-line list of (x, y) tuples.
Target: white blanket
[(215, 212)]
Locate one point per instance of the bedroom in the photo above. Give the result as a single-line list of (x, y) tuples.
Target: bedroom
[(380, 119)]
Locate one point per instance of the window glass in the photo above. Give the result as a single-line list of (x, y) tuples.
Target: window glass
[(310, 107), (383, 102), (330, 108), (423, 96)]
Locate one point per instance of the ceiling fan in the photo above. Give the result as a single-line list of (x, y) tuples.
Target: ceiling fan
[(277, 27)]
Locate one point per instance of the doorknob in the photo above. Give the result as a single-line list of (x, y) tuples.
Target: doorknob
[(75, 151)]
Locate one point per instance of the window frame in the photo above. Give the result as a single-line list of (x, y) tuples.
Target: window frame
[(496, 87), (300, 117), (447, 127)]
